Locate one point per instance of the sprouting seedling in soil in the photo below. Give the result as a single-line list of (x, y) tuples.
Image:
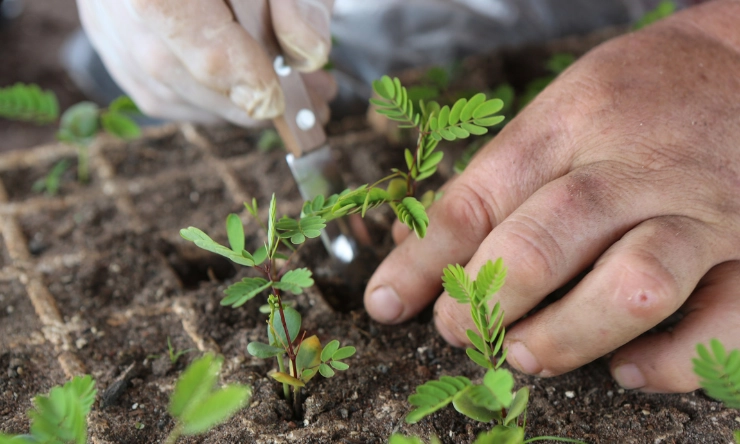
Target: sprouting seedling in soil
[(60, 417), (492, 400), (298, 358), (663, 10), (175, 354), (433, 123), (78, 125), (197, 405), (719, 374)]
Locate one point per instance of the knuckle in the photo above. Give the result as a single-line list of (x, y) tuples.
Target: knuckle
[(537, 248), (645, 286), (467, 212)]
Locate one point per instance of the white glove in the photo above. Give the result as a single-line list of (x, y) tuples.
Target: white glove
[(191, 60)]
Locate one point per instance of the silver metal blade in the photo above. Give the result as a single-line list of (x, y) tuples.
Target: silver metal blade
[(317, 173)]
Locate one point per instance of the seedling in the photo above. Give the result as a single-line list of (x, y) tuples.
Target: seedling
[(60, 417), (492, 400), (719, 374), (197, 406), (305, 356), (78, 125)]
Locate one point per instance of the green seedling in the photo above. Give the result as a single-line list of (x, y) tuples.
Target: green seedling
[(175, 354), (305, 356), (52, 181), (197, 405), (78, 125), (663, 10), (269, 140), (719, 374), (60, 417), (299, 358), (493, 399)]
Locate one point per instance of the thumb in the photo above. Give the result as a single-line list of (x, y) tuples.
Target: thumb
[(303, 29)]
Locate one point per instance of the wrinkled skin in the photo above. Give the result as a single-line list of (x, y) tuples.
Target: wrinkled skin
[(630, 162), (192, 60)]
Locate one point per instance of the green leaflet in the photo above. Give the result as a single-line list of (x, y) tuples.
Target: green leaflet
[(202, 240), (490, 279), (197, 405), (295, 281), (235, 232), (457, 283), (394, 102), (119, 125), (124, 105), (412, 213), (62, 415), (79, 123), (27, 102), (434, 395), (264, 351), (719, 372), (239, 293), (293, 322), (298, 230), (518, 405)]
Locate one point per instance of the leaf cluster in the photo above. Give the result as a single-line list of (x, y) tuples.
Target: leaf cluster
[(719, 372), (60, 417), (197, 405), (28, 103), (489, 322), (81, 122)]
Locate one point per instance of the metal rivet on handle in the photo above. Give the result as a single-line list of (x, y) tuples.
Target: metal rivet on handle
[(305, 119), (281, 68)]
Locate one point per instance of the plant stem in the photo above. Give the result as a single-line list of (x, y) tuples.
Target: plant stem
[(83, 164), (174, 434), (281, 367), (297, 405)]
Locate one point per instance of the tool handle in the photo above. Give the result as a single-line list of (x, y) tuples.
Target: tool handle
[(299, 126)]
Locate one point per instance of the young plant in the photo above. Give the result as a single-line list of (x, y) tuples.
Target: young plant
[(491, 400), (305, 356), (433, 124), (175, 354), (719, 374), (78, 125), (197, 406), (60, 417)]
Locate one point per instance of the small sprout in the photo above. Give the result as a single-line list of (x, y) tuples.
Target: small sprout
[(197, 405), (60, 417), (269, 140), (52, 181), (175, 354)]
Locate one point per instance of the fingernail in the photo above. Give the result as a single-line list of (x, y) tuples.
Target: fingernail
[(316, 14), (387, 306), (259, 103), (628, 376), (523, 359)]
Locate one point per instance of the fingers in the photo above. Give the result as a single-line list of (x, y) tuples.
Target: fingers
[(302, 28), (221, 55), (507, 172), (638, 282), (662, 362)]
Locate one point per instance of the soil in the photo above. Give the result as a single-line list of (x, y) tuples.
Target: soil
[(96, 280)]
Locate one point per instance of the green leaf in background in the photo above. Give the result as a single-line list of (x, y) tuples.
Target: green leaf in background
[(502, 435), (295, 281), (120, 125), (125, 105), (27, 102), (216, 408), (194, 385), (202, 240), (344, 353), (79, 123), (663, 10), (61, 417)]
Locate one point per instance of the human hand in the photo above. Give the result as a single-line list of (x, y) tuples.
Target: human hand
[(190, 59), (629, 161)]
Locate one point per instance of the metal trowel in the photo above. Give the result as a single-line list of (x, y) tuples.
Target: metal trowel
[(310, 158)]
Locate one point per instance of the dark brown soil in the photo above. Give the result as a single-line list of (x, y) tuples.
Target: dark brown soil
[(95, 281)]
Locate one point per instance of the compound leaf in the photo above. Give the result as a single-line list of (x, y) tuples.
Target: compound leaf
[(457, 283), (490, 279), (194, 385), (434, 395), (412, 213), (295, 281), (27, 102), (61, 417), (119, 125), (239, 293)]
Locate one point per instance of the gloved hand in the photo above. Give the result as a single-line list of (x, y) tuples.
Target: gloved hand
[(191, 60), (629, 162)]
